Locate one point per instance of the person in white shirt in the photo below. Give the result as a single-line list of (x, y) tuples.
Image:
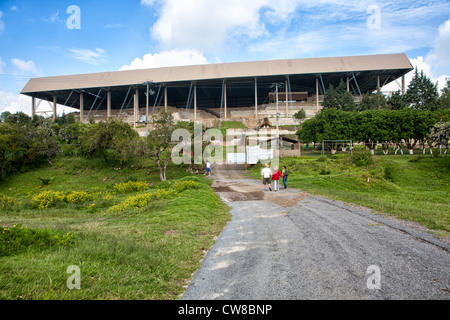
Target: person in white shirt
[(208, 168), (266, 174)]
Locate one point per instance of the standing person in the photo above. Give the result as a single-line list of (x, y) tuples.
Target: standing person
[(208, 168), (285, 174), (266, 173), (276, 179)]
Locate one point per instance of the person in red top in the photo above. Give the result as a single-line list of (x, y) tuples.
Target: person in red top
[(276, 178)]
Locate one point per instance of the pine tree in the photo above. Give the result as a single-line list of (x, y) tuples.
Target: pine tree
[(444, 100), (422, 93)]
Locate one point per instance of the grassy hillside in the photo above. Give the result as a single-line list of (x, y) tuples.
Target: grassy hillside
[(414, 188), (132, 236)]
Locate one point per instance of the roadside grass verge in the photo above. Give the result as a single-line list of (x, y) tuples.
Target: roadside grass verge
[(414, 188), (147, 251)]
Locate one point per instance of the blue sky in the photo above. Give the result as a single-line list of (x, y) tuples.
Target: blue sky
[(35, 39)]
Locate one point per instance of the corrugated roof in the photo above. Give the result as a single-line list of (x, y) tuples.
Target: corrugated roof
[(220, 71)]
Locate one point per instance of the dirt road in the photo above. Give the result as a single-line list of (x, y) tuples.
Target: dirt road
[(292, 245)]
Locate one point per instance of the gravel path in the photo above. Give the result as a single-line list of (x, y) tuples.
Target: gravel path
[(290, 245)]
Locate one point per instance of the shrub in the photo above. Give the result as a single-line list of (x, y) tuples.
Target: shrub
[(141, 200), (389, 173), (362, 158), (184, 185), (78, 197), (15, 240), (9, 203), (47, 199), (131, 186)]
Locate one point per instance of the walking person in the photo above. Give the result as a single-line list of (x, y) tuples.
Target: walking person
[(285, 175), (276, 179), (208, 168), (266, 173)]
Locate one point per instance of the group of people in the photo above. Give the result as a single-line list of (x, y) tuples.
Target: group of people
[(267, 176)]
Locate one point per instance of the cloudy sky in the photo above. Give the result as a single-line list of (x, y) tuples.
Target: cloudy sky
[(48, 38)]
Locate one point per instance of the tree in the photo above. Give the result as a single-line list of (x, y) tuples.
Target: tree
[(440, 135), (159, 143), (396, 101), (98, 138), (300, 115), (422, 93), (339, 98), (373, 101), (444, 101)]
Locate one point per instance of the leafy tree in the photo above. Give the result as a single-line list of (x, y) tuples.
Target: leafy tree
[(422, 93), (440, 134), (373, 101), (98, 138), (444, 101), (339, 98), (396, 101), (300, 115), (158, 142)]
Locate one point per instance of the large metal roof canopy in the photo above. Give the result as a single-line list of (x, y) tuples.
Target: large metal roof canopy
[(244, 81)]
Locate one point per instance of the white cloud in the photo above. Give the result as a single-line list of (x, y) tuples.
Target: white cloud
[(439, 56), (21, 103), (23, 66), (94, 57), (14, 103), (207, 25), (167, 59)]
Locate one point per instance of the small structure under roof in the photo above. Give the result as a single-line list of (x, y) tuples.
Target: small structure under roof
[(241, 84)]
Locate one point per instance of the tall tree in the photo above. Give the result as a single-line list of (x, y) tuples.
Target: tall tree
[(422, 93), (159, 143), (444, 101), (339, 98), (373, 101), (396, 101)]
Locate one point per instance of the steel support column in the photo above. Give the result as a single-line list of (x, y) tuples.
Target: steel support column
[(317, 94), (287, 98), (136, 107), (147, 104), (108, 104), (33, 106), (195, 101), (165, 98), (403, 85), (225, 100), (256, 101), (81, 107), (54, 107)]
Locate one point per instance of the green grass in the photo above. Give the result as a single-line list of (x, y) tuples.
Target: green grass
[(147, 253), (414, 188)]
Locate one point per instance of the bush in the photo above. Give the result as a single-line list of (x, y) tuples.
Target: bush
[(9, 204), (15, 240), (389, 173), (141, 200), (47, 199), (362, 158), (78, 197), (131, 186)]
